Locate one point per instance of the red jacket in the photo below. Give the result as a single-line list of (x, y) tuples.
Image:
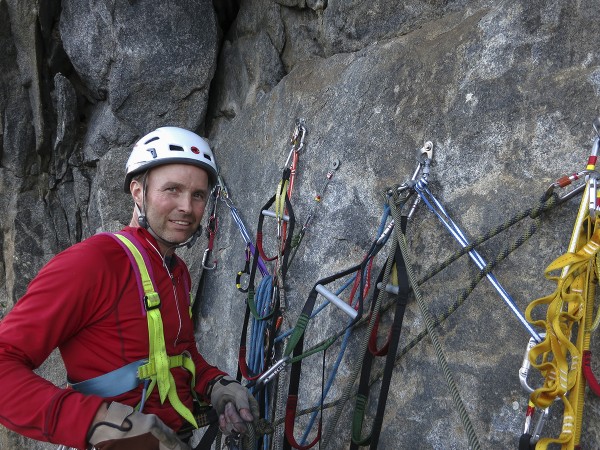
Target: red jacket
[(85, 301)]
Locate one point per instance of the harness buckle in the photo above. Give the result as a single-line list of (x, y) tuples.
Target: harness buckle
[(151, 301)]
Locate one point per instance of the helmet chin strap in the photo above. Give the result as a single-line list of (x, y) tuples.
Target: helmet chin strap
[(143, 221)]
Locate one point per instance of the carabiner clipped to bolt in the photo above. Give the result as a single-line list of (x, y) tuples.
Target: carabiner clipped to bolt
[(419, 177), (296, 140)]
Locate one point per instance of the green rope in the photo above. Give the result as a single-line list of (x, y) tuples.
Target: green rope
[(458, 402)]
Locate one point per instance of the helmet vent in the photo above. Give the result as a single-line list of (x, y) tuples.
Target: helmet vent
[(155, 138), (175, 148)]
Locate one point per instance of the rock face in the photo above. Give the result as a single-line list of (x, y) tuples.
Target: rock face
[(505, 91)]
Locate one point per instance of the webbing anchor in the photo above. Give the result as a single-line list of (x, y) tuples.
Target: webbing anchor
[(341, 304)]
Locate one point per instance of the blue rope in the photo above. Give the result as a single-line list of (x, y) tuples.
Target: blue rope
[(257, 335), (256, 355)]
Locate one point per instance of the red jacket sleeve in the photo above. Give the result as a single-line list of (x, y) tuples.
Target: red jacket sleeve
[(56, 305)]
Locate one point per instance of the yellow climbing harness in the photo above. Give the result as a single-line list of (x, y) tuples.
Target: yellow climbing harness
[(157, 369)]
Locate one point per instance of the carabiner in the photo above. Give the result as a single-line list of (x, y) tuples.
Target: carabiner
[(526, 365), (270, 374), (205, 259), (530, 437), (420, 175), (296, 140), (233, 441), (245, 271), (211, 228)]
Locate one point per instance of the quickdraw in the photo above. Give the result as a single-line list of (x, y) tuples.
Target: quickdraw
[(568, 319), (226, 198), (266, 305), (251, 309)]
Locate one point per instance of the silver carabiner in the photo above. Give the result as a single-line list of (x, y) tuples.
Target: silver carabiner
[(526, 365), (270, 374), (535, 434), (296, 140), (205, 261)]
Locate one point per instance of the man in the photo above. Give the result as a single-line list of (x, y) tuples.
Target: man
[(123, 345)]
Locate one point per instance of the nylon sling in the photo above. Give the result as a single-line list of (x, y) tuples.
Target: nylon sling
[(294, 350), (389, 350), (569, 310), (243, 369)]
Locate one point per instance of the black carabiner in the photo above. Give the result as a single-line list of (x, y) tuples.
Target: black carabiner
[(245, 271)]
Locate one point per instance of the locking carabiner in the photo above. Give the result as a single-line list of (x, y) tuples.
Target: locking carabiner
[(211, 228)]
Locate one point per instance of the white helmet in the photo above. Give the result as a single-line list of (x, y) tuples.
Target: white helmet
[(168, 145)]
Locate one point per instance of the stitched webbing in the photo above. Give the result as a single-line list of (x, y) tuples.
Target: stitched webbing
[(568, 308), (157, 353)]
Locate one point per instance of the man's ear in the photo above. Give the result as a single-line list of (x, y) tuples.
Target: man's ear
[(137, 191)]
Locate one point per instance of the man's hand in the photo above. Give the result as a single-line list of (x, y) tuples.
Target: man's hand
[(120, 427), (234, 404)]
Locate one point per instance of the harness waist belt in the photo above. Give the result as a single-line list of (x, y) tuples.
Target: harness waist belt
[(112, 383), (127, 378)]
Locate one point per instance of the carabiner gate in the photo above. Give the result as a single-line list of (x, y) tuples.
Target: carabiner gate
[(270, 374)]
